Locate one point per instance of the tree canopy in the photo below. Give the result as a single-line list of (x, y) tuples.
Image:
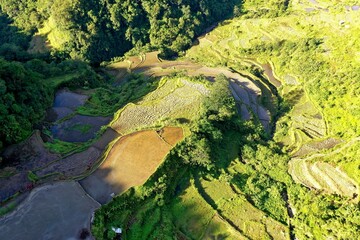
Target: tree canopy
[(99, 30)]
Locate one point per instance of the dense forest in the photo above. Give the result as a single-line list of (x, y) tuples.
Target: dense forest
[(95, 31)]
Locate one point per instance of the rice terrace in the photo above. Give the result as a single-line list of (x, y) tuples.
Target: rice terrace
[(180, 120)]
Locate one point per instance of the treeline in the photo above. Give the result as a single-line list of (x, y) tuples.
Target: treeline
[(13, 42), (264, 8), (97, 30), (11, 35)]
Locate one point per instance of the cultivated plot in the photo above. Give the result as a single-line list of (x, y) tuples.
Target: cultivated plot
[(322, 176), (174, 99), (130, 162)]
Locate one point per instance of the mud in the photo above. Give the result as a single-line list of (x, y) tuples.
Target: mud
[(79, 128), (56, 211), (24, 157)]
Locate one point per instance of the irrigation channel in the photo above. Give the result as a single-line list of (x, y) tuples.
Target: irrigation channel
[(70, 187)]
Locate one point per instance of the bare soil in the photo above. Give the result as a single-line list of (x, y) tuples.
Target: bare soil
[(171, 135), (39, 44), (316, 146), (131, 161), (270, 75)]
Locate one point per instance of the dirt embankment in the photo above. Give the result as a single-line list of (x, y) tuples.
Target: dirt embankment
[(79, 163)]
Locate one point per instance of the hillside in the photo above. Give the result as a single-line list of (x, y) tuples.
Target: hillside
[(251, 132), (96, 31)]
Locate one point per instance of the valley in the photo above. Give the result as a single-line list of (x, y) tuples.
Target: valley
[(249, 132)]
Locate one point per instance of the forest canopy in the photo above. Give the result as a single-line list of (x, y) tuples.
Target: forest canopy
[(95, 31)]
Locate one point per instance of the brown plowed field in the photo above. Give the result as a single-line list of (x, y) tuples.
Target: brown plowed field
[(130, 162)]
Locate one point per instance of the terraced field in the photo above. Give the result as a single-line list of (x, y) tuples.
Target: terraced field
[(57, 211), (315, 146), (307, 121), (233, 207), (199, 220), (314, 173), (175, 99), (323, 176), (230, 41), (245, 92), (201, 211)]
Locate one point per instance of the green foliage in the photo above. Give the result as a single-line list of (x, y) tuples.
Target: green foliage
[(262, 176), (100, 30), (22, 95), (217, 118), (108, 99), (196, 152), (322, 216), (11, 35), (264, 9), (8, 208), (33, 177), (58, 146), (27, 90)]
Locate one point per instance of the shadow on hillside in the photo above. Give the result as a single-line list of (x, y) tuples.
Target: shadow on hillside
[(101, 189), (185, 215)]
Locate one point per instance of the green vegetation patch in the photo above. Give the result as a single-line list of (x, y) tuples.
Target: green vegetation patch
[(191, 213), (106, 100), (83, 128), (58, 146)]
